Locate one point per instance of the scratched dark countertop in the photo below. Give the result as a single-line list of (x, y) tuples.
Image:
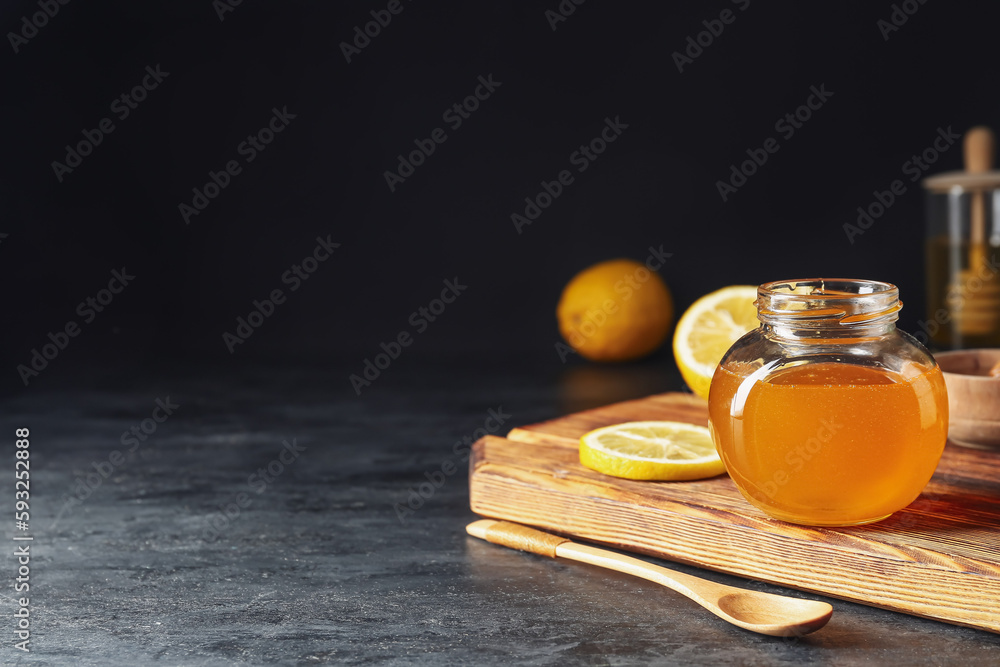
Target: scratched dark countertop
[(190, 552)]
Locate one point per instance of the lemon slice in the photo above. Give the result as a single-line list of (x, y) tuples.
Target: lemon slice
[(708, 329), (651, 450)]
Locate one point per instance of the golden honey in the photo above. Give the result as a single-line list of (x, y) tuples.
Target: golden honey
[(830, 443)]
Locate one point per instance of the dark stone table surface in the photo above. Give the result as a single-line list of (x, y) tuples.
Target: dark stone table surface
[(185, 550)]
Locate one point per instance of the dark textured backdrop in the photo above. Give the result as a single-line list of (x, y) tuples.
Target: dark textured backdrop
[(323, 175)]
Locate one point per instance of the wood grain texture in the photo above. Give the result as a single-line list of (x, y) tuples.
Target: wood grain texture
[(938, 558)]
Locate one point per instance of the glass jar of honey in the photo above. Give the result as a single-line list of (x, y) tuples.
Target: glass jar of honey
[(827, 415)]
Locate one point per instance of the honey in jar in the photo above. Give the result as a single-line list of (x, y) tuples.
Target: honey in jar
[(828, 415)]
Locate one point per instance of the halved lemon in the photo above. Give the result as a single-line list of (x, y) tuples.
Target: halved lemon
[(652, 450), (708, 329)]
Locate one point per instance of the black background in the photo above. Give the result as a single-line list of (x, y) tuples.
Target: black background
[(324, 174)]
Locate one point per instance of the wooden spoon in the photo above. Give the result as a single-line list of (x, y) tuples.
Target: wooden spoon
[(759, 612)]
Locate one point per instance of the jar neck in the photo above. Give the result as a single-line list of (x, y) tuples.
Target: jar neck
[(828, 310), (828, 335)]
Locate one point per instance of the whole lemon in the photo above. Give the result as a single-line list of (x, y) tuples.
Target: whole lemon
[(615, 311)]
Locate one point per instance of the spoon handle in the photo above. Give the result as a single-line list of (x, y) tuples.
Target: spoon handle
[(706, 593), (515, 536)]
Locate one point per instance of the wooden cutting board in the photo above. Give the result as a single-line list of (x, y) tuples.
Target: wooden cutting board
[(938, 558)]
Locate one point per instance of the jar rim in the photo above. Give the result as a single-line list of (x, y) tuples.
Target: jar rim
[(824, 302), (829, 288)]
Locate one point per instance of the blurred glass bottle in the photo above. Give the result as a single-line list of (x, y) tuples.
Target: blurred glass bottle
[(963, 249)]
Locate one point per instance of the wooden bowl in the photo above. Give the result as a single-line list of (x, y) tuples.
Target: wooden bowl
[(973, 397)]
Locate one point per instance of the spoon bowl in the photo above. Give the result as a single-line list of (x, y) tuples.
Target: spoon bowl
[(774, 614)]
